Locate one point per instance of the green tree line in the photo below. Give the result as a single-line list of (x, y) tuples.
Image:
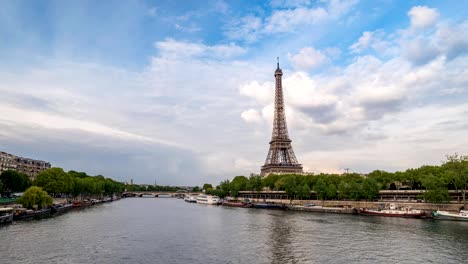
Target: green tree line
[(56, 181), (436, 180)]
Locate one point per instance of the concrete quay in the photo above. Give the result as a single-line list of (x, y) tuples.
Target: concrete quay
[(455, 207)]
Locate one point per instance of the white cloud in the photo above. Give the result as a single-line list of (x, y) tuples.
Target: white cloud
[(337, 8), (363, 42), (423, 17), (190, 28), (250, 28), (251, 116), (173, 49), (373, 40), (245, 28), (263, 93), (308, 58), (419, 50), (289, 20), (452, 39), (289, 3)]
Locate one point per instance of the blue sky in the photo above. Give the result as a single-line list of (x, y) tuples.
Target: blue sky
[(181, 91)]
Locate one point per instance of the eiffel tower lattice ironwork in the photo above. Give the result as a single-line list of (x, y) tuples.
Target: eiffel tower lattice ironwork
[(281, 157)]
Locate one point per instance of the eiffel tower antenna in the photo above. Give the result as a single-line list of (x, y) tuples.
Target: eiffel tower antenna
[(281, 157)]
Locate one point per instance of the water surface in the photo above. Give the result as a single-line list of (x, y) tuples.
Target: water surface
[(157, 230)]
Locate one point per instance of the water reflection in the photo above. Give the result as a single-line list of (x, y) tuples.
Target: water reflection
[(280, 237)]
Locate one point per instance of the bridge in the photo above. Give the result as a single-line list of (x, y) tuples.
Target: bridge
[(155, 194)]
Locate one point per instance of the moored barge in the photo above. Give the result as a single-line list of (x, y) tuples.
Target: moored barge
[(6, 215), (393, 212)]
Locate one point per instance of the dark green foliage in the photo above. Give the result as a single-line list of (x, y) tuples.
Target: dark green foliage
[(303, 192), (321, 189), (255, 183), (207, 187), (13, 181), (370, 189), (331, 191), (435, 190), (456, 168), (55, 181)]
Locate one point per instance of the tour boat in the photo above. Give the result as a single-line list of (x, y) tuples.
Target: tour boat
[(6, 215), (244, 204), (443, 215), (207, 199), (269, 205), (393, 212), (190, 199)]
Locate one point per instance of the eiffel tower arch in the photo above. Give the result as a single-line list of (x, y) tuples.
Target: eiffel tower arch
[(281, 158)]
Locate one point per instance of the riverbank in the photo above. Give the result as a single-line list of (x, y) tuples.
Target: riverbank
[(454, 207), (59, 207)]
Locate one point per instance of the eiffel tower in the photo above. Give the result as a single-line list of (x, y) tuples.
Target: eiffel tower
[(280, 158)]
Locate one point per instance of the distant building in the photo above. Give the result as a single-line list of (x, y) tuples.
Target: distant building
[(27, 166)]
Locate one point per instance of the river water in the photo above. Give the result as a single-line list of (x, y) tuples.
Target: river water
[(158, 230)]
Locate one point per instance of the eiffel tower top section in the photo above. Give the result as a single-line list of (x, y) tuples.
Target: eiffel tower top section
[(281, 157), (280, 129)]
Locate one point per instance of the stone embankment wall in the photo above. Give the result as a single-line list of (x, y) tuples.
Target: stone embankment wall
[(373, 205)]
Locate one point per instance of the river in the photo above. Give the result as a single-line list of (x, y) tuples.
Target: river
[(158, 230)]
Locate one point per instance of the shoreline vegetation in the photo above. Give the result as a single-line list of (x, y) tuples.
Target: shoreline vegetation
[(56, 183), (436, 181)]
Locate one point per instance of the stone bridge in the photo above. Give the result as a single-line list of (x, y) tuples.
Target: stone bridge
[(149, 194)]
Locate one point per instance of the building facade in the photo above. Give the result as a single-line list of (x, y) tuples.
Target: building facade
[(27, 166)]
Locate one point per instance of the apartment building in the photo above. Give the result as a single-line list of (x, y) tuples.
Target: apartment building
[(27, 166)]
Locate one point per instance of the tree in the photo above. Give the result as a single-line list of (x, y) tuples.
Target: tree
[(331, 191), (370, 189), (457, 169), (207, 187), (436, 191), (255, 183), (270, 181), (35, 196), (289, 185), (196, 189), (55, 181), (14, 181), (239, 183), (321, 189), (354, 190), (343, 190), (303, 191)]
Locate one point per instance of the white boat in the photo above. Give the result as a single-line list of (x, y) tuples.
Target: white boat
[(208, 199), (6, 215), (443, 215), (190, 199), (148, 196)]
